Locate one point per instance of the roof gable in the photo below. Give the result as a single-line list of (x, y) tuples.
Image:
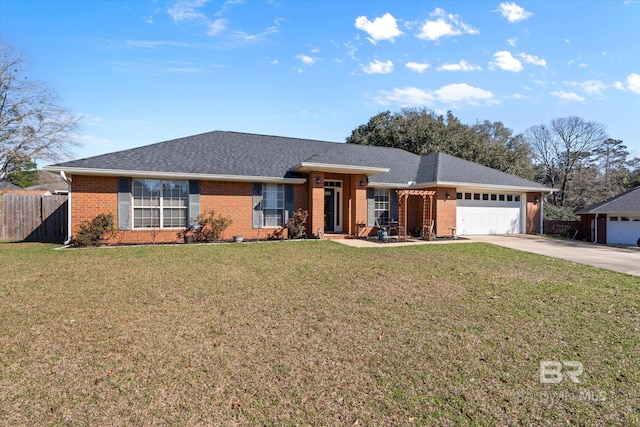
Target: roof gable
[(445, 168)]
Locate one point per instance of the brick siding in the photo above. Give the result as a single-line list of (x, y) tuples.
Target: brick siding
[(533, 213), (93, 195)]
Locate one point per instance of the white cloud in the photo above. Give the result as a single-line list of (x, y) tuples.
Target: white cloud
[(460, 66), (417, 67), (185, 10), (591, 87), (306, 59), (274, 62), (594, 87), (619, 86), (92, 120), (406, 97), (384, 27), (633, 83), (183, 70), (188, 10), (444, 24), (532, 59), (513, 12), (351, 50), (519, 96), (458, 95), (152, 44), (378, 67), (505, 61), (243, 37), (512, 41), (309, 114), (568, 96), (462, 92), (216, 27)]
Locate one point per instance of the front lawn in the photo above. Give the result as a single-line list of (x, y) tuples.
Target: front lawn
[(312, 333)]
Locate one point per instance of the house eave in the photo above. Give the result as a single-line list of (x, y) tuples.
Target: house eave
[(479, 187), (173, 175), (607, 212), (388, 185), (335, 168)]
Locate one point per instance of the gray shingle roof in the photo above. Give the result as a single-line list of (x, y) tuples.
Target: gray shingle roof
[(441, 167), (627, 202), (6, 185), (241, 154)]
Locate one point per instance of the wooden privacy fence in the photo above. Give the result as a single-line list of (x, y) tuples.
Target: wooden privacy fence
[(564, 229), (33, 217)]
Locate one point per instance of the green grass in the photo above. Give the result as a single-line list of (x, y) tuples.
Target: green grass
[(312, 333)]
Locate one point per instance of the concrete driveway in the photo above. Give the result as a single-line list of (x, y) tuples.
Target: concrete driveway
[(616, 259)]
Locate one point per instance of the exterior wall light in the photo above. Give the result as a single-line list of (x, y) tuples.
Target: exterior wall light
[(448, 196), (317, 180), (361, 182)]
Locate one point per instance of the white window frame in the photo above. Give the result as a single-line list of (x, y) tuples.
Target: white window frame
[(382, 205), (276, 205), (158, 204)]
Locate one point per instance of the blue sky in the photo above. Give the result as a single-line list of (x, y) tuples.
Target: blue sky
[(140, 72)]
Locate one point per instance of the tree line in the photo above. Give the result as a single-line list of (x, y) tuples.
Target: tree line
[(573, 155)]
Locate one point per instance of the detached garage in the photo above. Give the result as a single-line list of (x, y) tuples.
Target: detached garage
[(615, 221)]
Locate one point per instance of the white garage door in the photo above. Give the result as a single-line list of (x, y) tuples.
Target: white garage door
[(623, 229), (488, 214)]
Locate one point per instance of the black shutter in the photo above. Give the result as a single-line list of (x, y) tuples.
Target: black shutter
[(288, 201), (394, 205), (194, 202)]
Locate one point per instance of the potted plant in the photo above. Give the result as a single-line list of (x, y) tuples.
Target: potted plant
[(187, 234)]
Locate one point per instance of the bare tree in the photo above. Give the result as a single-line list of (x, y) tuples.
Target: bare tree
[(562, 147), (32, 124)]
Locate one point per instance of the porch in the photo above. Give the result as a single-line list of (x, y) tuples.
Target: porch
[(343, 205)]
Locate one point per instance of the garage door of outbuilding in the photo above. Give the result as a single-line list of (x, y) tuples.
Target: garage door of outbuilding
[(623, 229), (489, 213)]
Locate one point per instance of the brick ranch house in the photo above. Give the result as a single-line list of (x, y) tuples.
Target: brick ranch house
[(258, 181)]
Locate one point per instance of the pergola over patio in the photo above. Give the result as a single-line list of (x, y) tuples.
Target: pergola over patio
[(427, 211)]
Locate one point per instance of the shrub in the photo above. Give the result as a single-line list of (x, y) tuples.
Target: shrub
[(296, 224), (558, 213), (92, 233), (210, 227)]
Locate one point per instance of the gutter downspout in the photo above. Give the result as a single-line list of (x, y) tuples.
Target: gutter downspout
[(68, 181), (595, 234), (542, 199)]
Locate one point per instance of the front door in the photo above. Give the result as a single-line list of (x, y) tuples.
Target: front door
[(333, 206), (329, 209)]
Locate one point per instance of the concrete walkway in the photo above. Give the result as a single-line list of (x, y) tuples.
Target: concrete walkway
[(610, 258)]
